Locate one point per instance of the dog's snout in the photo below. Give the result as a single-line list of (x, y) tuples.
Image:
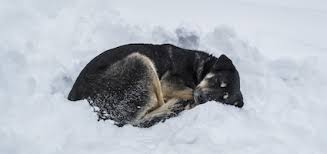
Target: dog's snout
[(238, 103)]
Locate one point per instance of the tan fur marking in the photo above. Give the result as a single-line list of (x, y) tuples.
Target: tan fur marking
[(210, 75), (203, 84), (174, 90), (169, 92)]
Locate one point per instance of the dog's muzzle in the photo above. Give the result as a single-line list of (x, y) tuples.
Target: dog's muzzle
[(201, 97)]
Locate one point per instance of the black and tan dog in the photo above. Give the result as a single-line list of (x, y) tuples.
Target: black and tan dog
[(142, 84)]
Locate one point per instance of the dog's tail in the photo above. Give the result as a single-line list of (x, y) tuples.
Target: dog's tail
[(74, 94), (80, 89)]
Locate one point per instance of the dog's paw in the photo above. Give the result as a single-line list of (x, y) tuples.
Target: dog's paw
[(150, 122), (180, 106)]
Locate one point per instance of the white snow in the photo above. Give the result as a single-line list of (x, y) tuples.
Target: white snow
[(279, 48)]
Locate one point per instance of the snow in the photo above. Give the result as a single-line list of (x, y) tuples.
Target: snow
[(278, 47)]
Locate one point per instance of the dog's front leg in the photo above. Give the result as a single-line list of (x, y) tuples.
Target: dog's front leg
[(170, 109)]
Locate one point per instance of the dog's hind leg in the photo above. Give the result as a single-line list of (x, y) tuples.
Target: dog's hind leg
[(127, 90), (152, 73), (155, 94)]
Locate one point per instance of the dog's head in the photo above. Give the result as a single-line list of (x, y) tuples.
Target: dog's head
[(221, 83)]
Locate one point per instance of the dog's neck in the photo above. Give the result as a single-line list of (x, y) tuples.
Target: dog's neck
[(204, 63)]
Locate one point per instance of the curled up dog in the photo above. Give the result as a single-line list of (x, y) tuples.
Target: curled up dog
[(143, 84)]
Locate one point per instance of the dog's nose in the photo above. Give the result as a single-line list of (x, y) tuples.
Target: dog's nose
[(238, 103)]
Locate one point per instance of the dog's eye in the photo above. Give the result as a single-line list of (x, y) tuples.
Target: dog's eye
[(226, 95), (223, 84)]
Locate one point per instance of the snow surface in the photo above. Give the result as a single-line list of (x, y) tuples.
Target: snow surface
[(279, 48)]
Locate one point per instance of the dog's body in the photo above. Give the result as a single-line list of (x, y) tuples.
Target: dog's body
[(141, 84)]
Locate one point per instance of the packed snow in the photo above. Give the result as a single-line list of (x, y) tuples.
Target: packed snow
[(279, 48)]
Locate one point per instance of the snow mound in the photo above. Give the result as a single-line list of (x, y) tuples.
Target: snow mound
[(43, 49)]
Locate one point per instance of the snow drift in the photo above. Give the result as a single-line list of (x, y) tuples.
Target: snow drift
[(43, 47)]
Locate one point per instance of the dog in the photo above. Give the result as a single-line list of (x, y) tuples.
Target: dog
[(143, 84)]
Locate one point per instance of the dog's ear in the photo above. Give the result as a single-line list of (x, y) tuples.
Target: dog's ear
[(223, 63)]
